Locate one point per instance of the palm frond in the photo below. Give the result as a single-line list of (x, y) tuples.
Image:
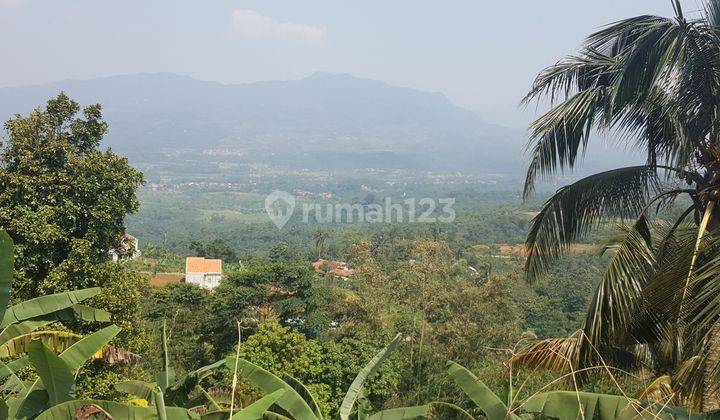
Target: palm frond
[(589, 69), (655, 320), (559, 135), (712, 13), (618, 295), (660, 391), (689, 382), (576, 209), (650, 78), (556, 354), (703, 309)]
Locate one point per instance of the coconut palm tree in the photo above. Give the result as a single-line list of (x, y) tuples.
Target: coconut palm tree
[(650, 83), (320, 238)]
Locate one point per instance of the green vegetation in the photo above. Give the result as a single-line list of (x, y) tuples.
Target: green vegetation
[(63, 200), (431, 320), (649, 81)]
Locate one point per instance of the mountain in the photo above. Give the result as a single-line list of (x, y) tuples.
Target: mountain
[(321, 121)]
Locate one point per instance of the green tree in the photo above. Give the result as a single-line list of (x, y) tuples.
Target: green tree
[(328, 368), (216, 248), (653, 83), (189, 311), (62, 199), (283, 286)]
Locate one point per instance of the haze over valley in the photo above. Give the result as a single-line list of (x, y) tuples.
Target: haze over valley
[(324, 121)]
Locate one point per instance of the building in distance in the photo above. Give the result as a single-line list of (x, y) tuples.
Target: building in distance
[(204, 272)]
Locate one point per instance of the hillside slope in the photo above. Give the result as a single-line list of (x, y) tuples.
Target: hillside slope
[(321, 121)]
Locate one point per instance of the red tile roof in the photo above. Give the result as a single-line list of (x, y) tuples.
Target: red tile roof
[(202, 265), (336, 268)]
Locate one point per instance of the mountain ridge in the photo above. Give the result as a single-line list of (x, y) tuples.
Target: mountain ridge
[(286, 121)]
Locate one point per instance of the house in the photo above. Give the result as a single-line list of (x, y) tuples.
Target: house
[(204, 272), (129, 248), (334, 268)]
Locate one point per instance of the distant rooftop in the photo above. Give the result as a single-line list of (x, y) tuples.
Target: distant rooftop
[(336, 268), (202, 265)]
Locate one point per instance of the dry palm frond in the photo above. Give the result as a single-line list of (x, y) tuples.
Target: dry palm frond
[(658, 391), (557, 354), (688, 382)]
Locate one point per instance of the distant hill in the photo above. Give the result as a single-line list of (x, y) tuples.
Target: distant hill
[(322, 121)]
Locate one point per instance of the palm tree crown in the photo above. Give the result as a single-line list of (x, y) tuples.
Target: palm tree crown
[(653, 84)]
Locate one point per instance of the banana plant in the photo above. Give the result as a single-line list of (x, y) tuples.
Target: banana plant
[(20, 322), (53, 392), (18, 332), (174, 391), (297, 401), (56, 374), (169, 395), (114, 410), (565, 405), (479, 393)]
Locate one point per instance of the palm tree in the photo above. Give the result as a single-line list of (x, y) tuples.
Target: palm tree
[(320, 237), (653, 84)]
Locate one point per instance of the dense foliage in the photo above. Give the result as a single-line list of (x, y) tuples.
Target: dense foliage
[(62, 199), (653, 83), (425, 306)]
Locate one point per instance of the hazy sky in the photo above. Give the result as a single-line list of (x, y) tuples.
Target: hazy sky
[(481, 54)]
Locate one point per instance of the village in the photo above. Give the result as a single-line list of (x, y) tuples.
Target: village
[(207, 273)]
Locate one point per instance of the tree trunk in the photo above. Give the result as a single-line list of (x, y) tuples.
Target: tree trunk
[(710, 397)]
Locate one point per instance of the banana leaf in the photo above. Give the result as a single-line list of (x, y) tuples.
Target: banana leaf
[(304, 393), (22, 328), (213, 402), (35, 399), (216, 415), (403, 413), (291, 401), (256, 410), (274, 416), (13, 384), (80, 312), (45, 305), (77, 408), (79, 353), (356, 387), (160, 408), (139, 389), (478, 392), (440, 407), (177, 393), (58, 341), (88, 313), (566, 405), (165, 377), (56, 376)]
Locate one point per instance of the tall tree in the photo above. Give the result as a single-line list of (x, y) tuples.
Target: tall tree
[(652, 83), (216, 248), (62, 199), (320, 237)]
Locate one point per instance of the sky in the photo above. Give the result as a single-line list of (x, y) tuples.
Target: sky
[(482, 54)]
